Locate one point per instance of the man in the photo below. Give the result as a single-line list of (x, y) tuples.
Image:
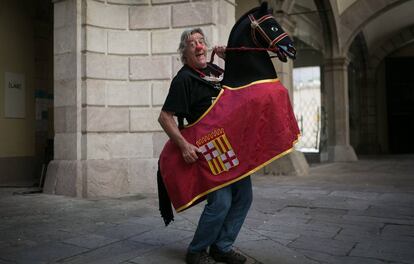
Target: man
[(191, 93)]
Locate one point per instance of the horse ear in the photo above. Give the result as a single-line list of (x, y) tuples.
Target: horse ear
[(270, 11), (263, 7)]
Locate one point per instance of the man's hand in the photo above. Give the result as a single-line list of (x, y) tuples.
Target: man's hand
[(220, 51), (190, 153)]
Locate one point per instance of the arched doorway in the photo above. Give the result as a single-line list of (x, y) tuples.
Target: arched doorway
[(307, 98), (400, 100)]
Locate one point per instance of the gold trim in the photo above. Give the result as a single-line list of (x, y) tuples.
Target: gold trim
[(229, 88), (252, 83), (240, 177)]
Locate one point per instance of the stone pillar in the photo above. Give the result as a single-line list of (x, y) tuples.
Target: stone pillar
[(114, 61), (335, 77), (293, 163), (64, 174)]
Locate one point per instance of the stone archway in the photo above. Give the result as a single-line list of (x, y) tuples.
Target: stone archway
[(376, 74), (371, 21), (335, 142), (394, 42), (358, 15)]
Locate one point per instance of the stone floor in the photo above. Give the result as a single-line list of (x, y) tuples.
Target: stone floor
[(351, 213)]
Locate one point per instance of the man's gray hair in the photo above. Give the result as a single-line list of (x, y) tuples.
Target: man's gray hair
[(185, 36)]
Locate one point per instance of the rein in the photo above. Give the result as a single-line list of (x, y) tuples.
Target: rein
[(275, 49)]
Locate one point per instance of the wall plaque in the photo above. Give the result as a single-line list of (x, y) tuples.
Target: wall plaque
[(15, 95)]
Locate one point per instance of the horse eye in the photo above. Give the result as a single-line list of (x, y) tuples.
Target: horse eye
[(275, 29)]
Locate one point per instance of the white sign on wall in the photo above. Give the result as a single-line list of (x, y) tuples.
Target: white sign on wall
[(15, 95)]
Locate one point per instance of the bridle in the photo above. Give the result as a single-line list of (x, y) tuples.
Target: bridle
[(255, 27)]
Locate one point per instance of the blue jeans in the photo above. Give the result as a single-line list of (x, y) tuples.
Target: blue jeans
[(223, 217)]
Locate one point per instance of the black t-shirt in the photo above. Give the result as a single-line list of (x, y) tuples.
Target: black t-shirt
[(190, 95)]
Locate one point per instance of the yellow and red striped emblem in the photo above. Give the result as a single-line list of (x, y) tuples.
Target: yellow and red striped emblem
[(218, 152)]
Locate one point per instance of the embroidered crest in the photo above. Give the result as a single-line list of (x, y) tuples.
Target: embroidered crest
[(218, 152)]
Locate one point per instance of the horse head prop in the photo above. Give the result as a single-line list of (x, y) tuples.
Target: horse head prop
[(253, 35)]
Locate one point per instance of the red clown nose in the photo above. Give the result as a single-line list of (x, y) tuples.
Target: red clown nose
[(199, 47)]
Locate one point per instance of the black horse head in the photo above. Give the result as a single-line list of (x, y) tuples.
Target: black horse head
[(266, 32), (255, 29)]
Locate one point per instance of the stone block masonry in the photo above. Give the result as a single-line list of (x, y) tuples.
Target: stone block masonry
[(150, 17), (108, 146), (114, 61), (106, 15), (200, 13), (128, 42), (159, 92), (105, 119), (150, 68), (95, 39)]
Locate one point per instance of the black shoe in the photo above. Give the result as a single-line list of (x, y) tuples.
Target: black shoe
[(231, 257), (198, 258)]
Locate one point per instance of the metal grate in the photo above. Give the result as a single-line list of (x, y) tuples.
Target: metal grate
[(307, 107)]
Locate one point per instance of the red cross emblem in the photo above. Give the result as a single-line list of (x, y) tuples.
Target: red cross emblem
[(218, 152), (209, 151), (229, 159)]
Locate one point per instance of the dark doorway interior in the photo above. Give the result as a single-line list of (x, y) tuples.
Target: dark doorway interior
[(400, 102)]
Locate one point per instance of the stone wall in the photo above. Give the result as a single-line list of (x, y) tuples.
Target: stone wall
[(128, 55)]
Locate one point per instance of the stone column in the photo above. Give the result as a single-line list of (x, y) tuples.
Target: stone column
[(114, 61), (64, 174), (293, 163), (335, 77)]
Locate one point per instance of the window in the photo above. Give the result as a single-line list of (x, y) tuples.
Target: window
[(307, 106)]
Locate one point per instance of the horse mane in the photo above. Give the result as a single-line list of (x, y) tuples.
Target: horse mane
[(240, 20), (244, 16)]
